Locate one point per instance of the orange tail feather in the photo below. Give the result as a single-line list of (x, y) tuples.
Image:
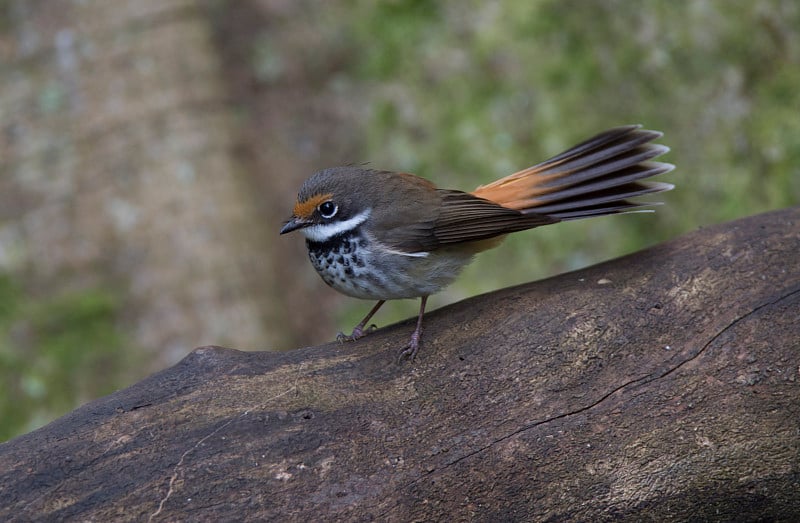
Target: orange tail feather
[(593, 178)]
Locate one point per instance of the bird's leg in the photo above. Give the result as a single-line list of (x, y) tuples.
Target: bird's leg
[(359, 331), (410, 350)]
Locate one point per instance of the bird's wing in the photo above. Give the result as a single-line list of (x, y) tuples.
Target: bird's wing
[(467, 218), (457, 217), (404, 213)]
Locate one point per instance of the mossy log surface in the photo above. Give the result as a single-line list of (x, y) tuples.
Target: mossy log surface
[(661, 386)]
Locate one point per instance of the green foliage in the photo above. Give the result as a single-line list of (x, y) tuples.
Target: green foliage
[(463, 92), (55, 353)]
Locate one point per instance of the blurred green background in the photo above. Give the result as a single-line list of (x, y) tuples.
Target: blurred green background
[(460, 92), (470, 91)]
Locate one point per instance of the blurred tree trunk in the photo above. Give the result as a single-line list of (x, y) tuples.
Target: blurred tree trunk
[(119, 169), (282, 65)]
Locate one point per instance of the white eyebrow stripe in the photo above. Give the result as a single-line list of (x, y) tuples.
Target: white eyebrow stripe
[(323, 232)]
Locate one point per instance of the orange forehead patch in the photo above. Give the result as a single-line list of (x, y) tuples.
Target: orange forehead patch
[(306, 209)]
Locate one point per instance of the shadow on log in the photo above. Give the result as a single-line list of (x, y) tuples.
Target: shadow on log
[(659, 386)]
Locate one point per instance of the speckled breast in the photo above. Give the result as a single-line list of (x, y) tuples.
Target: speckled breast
[(358, 267), (342, 264)]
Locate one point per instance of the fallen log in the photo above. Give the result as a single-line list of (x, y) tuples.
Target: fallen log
[(660, 386)]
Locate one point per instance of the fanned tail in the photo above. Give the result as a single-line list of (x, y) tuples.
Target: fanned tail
[(594, 178)]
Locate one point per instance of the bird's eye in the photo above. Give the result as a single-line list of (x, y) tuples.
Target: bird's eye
[(327, 209)]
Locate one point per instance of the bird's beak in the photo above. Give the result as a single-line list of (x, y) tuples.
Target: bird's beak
[(293, 224)]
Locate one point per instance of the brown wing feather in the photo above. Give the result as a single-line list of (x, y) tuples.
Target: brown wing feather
[(405, 212), (460, 218), (467, 218)]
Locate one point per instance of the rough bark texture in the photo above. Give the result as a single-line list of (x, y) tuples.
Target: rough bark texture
[(662, 386)]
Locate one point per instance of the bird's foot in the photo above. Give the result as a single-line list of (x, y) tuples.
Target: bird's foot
[(358, 332), (409, 352)]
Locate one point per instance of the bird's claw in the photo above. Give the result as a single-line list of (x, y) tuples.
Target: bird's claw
[(409, 352), (358, 332)]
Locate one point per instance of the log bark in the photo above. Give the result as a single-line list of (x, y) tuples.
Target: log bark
[(662, 386)]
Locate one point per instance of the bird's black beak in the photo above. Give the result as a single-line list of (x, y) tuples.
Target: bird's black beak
[(293, 224)]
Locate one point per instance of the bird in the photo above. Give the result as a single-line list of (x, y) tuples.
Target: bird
[(382, 235)]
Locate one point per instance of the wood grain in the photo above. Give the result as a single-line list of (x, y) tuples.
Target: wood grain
[(659, 386)]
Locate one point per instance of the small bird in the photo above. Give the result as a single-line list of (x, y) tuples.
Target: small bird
[(380, 235)]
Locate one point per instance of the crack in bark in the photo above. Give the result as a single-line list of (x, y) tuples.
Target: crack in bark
[(512, 434), (175, 470), (792, 291), (643, 380)]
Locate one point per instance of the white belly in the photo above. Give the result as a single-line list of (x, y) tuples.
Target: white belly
[(353, 268)]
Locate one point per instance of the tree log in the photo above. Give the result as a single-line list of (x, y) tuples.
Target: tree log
[(661, 386)]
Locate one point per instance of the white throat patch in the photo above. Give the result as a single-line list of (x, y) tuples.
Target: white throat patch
[(323, 232)]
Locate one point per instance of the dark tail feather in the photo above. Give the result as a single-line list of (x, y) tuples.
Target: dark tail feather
[(595, 177)]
